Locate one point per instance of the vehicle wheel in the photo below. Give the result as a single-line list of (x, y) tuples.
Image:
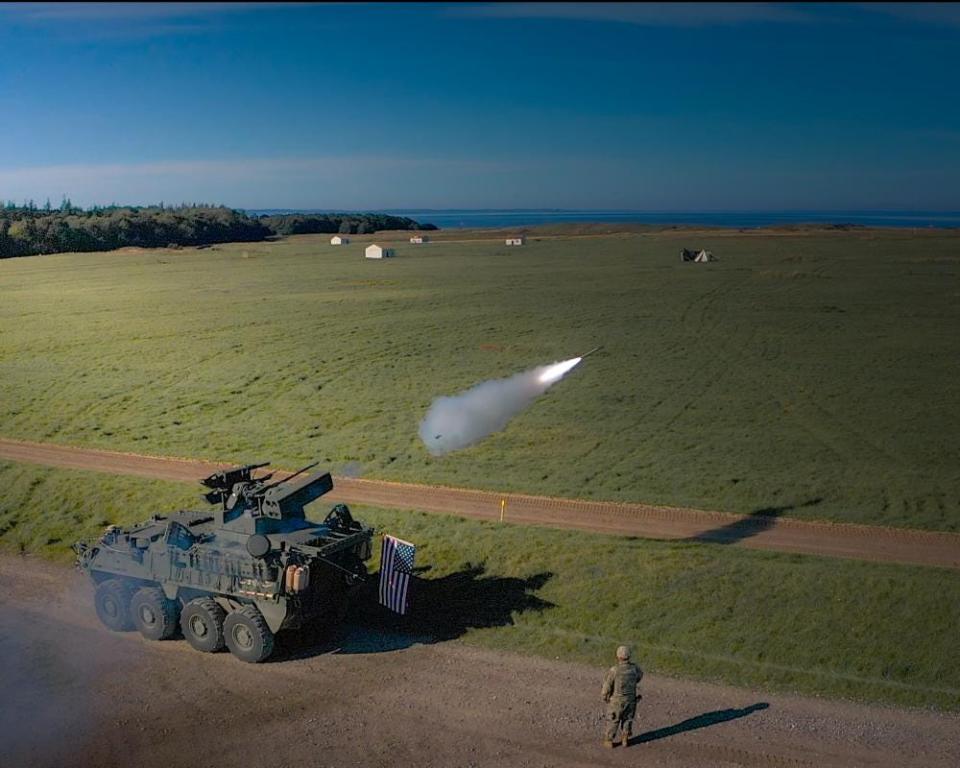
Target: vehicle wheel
[(153, 613), (247, 635), (112, 601), (202, 624)]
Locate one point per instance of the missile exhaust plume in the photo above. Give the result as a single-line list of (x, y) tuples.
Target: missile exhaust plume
[(459, 421), (557, 371)]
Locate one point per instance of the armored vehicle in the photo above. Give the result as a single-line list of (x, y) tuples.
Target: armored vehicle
[(248, 567)]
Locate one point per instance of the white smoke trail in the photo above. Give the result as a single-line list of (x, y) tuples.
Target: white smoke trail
[(456, 422)]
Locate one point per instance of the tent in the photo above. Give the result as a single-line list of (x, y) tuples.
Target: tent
[(378, 252)]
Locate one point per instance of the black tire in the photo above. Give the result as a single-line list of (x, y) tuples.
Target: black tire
[(201, 622), (154, 614), (112, 601), (247, 635)]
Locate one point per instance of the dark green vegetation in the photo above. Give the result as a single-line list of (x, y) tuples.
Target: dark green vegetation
[(29, 230), (813, 625), (817, 375), (344, 223)]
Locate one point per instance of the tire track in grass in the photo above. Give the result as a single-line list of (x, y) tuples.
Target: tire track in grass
[(713, 368)]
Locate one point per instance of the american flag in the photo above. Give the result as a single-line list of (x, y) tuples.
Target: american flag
[(396, 565)]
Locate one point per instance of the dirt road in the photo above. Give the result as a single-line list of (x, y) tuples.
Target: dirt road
[(762, 531), (72, 693)]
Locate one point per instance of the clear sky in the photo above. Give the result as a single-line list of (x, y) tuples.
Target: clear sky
[(678, 107)]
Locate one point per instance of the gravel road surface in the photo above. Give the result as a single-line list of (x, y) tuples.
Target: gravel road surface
[(74, 694)]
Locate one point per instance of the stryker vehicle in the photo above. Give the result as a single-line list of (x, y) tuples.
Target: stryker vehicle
[(234, 575)]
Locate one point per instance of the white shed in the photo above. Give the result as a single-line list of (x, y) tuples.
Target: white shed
[(516, 240), (338, 240), (378, 252), (419, 239)]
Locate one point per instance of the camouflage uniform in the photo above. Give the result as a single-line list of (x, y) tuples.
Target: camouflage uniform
[(620, 694)]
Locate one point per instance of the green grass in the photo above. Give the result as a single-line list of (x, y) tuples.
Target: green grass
[(43, 511), (868, 631), (813, 372)]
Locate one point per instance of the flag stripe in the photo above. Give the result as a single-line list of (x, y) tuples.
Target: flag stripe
[(396, 564)]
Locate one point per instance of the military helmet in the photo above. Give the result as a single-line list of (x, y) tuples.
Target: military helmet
[(623, 652)]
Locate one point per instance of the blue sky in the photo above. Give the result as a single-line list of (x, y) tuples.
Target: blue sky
[(648, 107)]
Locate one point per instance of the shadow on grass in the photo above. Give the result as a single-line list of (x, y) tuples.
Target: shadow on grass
[(440, 609), (700, 721), (756, 522)]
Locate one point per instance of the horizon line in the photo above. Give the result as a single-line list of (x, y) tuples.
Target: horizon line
[(493, 210), (648, 211)]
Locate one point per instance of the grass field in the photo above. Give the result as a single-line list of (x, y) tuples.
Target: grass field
[(816, 373), (807, 624)]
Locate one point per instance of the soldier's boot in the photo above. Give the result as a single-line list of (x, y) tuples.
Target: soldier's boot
[(625, 739), (608, 743)]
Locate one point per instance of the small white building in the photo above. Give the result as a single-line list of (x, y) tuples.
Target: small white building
[(378, 252), (705, 256), (419, 239), (516, 240), (338, 240)]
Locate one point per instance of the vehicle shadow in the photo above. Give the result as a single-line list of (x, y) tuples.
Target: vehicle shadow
[(700, 721), (758, 521), (440, 609)]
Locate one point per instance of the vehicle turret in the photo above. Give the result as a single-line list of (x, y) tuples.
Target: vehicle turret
[(236, 574)]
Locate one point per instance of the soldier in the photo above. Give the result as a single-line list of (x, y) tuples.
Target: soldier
[(620, 695)]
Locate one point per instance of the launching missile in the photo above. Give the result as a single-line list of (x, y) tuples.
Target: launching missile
[(595, 349)]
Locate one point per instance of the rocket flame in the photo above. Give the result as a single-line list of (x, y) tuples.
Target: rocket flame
[(555, 372)]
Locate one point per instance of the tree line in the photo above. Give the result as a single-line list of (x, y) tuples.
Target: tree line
[(342, 223), (27, 229)]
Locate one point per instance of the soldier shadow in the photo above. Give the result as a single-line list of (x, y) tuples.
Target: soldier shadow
[(758, 521), (705, 720), (440, 609)]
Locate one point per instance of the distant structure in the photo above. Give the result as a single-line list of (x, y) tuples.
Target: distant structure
[(378, 252), (516, 240), (700, 256), (337, 240), (419, 239)]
